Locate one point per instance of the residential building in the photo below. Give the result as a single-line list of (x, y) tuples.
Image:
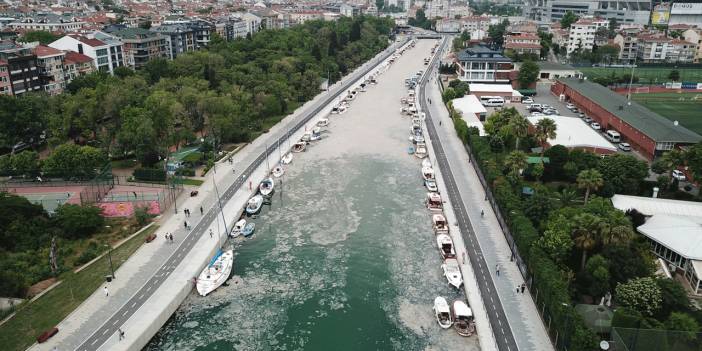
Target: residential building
[(5, 84), (478, 63), (349, 10), (253, 22), (523, 43), (76, 65), (694, 35), (140, 46), (22, 67), (302, 16), (581, 35), (646, 131), (50, 64), (105, 52), (48, 22), (628, 43), (681, 51), (180, 38), (632, 11), (203, 32)]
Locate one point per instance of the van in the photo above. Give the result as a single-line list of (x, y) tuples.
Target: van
[(613, 136), (494, 102), (484, 99)]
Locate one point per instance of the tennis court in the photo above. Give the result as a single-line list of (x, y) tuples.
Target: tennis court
[(682, 107), (50, 201)]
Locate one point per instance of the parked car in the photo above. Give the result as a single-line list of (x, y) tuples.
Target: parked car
[(570, 106), (582, 115), (595, 126), (587, 119), (537, 113), (527, 100), (679, 175), (624, 147), (575, 110)]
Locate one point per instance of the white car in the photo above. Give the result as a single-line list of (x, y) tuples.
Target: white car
[(570, 106), (595, 126), (624, 147), (679, 175), (527, 100), (533, 114)]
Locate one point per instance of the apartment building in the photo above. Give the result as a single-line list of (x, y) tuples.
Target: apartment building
[(76, 65), (630, 11), (5, 84), (141, 46), (479, 64), (48, 22), (180, 38), (106, 52), (628, 43), (50, 65), (694, 35), (22, 67), (523, 43), (582, 34)]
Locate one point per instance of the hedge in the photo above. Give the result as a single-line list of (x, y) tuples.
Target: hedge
[(150, 174)]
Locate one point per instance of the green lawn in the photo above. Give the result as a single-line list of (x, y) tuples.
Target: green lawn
[(188, 181), (47, 311), (675, 107), (645, 74)]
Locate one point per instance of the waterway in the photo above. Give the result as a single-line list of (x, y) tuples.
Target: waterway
[(344, 258)]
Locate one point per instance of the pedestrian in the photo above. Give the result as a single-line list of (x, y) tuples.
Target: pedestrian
[(68, 195), (482, 213), (201, 211), (185, 224), (121, 333), (107, 293), (523, 287), (171, 237), (485, 196), (439, 123), (135, 195), (497, 269), (233, 171), (210, 233), (518, 286)]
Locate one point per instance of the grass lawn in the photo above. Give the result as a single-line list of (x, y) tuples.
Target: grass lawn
[(188, 181), (31, 320), (645, 74), (675, 107)]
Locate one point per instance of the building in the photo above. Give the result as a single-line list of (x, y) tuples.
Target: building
[(573, 133), (646, 131), (674, 231), (472, 111), (180, 38), (76, 65), (552, 71), (203, 33), (48, 22), (50, 64), (253, 22), (5, 84), (504, 91), (478, 63), (106, 53), (633, 11), (22, 67), (349, 10), (681, 51), (141, 46), (686, 12), (581, 35), (694, 35), (523, 43), (655, 48), (628, 43)]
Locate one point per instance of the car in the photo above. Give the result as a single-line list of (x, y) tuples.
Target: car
[(575, 110), (549, 112), (537, 113), (431, 185), (570, 106), (587, 119), (624, 147), (679, 175), (582, 115), (595, 126), (528, 100)]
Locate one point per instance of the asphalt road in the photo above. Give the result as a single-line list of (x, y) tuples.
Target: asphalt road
[(493, 306), (109, 328)]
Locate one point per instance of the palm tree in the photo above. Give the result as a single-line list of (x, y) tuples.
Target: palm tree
[(545, 129), (616, 229), (566, 197), (519, 126), (589, 179), (515, 162), (586, 229), (672, 159)]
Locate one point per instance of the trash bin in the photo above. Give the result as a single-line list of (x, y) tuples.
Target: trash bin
[(108, 278)]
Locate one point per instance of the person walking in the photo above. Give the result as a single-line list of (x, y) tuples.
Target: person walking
[(120, 333), (482, 213), (201, 211), (185, 224), (523, 287), (107, 292), (497, 269), (210, 233)]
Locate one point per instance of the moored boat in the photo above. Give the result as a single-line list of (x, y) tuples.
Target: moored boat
[(426, 163), (445, 246), (452, 272), (442, 312), (434, 202), (238, 226), (427, 173), (267, 186), (216, 272), (278, 171), (306, 137), (248, 229), (254, 205), (299, 146), (316, 134), (463, 320), (286, 159), (421, 150), (439, 223), (323, 122)]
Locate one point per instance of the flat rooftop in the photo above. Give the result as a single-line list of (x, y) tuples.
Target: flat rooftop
[(572, 132)]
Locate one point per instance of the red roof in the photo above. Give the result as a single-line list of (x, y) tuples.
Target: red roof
[(522, 46), (45, 51), (72, 56), (87, 41), (3, 63), (525, 36)]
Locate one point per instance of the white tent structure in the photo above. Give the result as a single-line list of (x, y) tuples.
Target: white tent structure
[(573, 133)]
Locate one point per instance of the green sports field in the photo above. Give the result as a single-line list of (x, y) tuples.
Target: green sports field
[(645, 74), (682, 107)]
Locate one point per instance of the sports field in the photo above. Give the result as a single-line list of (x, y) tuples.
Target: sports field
[(682, 107), (645, 74)]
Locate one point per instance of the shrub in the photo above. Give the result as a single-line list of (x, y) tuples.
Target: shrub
[(150, 174), (142, 215), (641, 294), (79, 221)]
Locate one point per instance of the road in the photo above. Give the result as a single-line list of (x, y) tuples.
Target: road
[(109, 328), (493, 306)]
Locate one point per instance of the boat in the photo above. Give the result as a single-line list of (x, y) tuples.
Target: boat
[(278, 171), (335, 110), (316, 134), (238, 226), (410, 150), (431, 185), (421, 150), (434, 202), (299, 146), (216, 272), (426, 163), (306, 137), (254, 205), (439, 224), (286, 159), (267, 186), (443, 312), (463, 320), (452, 272), (342, 108), (248, 229), (445, 246), (427, 173), (323, 122), (418, 138)]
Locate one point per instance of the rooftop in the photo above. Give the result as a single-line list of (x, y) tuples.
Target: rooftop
[(554, 66), (72, 56), (655, 126), (682, 234), (574, 133), (481, 53), (134, 33), (650, 206), (45, 51)]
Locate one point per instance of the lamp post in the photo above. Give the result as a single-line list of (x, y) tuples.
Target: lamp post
[(109, 255)]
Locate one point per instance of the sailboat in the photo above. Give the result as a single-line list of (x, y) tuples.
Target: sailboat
[(278, 171), (216, 272), (254, 205), (267, 186)]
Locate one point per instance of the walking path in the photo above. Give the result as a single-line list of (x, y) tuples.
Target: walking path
[(515, 320), (160, 268)]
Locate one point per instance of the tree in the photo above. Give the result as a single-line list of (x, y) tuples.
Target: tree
[(623, 173), (566, 197), (631, 261), (597, 268), (515, 163), (589, 179), (528, 74), (496, 32), (585, 234), (556, 240), (674, 75), (79, 221), (73, 161), (539, 205), (42, 36), (568, 19), (25, 163), (123, 72), (640, 294), (545, 129), (683, 322), (519, 127), (674, 297)]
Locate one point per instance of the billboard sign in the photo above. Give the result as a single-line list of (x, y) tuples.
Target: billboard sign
[(685, 8), (661, 14)]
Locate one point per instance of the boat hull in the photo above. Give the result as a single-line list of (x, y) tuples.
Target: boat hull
[(215, 274)]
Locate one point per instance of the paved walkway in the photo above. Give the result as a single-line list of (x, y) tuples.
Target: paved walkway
[(522, 317)]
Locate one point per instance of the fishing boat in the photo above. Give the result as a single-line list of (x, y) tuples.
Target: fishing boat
[(421, 151), (431, 185), (323, 122), (286, 159), (427, 173), (335, 110), (299, 146), (439, 224), (216, 272), (445, 246), (434, 202), (254, 205), (452, 272), (267, 186), (248, 229), (463, 318), (306, 137), (278, 171), (426, 163), (238, 226), (316, 134), (442, 312), (418, 138)]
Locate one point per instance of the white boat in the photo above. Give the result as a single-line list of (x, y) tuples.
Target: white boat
[(463, 320), (426, 163), (248, 229), (335, 110), (431, 185), (421, 150), (439, 223), (434, 202), (418, 138), (442, 312), (287, 158), (306, 137), (342, 108), (452, 272), (254, 205), (323, 122), (316, 134), (238, 227), (216, 272), (427, 173), (278, 171), (267, 186), (299, 146), (445, 246)]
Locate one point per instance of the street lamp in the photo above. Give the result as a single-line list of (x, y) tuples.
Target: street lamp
[(109, 255)]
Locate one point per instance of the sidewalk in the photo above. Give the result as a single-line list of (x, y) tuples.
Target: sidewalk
[(524, 320)]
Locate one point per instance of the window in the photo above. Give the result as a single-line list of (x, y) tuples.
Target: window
[(101, 52), (666, 145), (102, 60)]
